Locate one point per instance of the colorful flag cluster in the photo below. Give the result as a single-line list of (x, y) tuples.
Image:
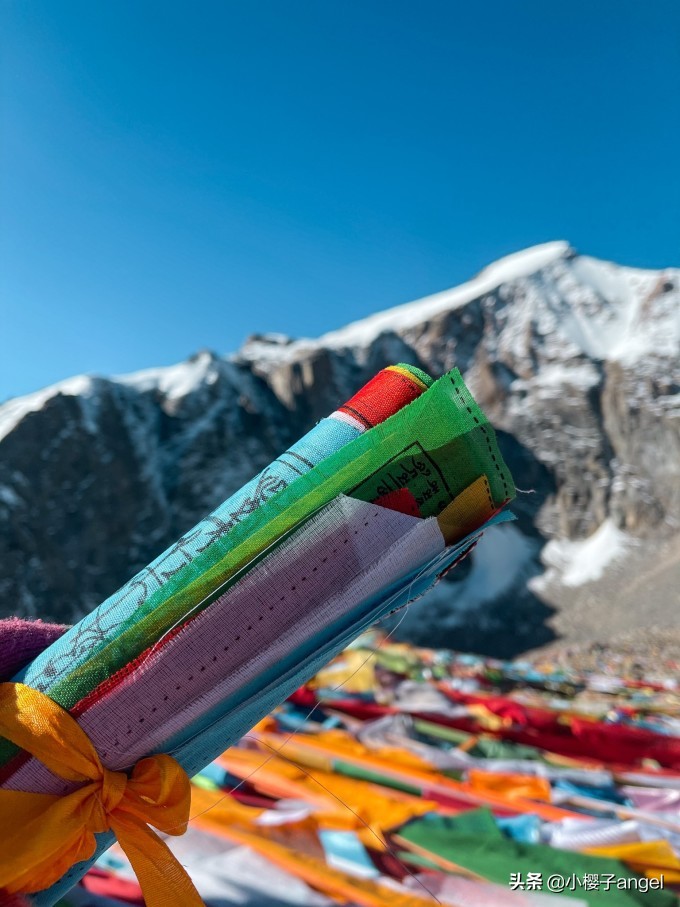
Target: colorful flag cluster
[(357, 519), (406, 777), (400, 775)]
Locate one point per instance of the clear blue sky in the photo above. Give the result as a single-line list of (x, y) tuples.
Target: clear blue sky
[(177, 175)]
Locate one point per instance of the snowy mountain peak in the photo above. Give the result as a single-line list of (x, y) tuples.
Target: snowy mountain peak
[(576, 361), (400, 318), (176, 381), (527, 261), (548, 295)]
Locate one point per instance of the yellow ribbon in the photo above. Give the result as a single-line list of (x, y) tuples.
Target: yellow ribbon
[(43, 835)]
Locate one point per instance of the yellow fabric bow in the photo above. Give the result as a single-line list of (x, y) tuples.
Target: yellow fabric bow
[(43, 835)]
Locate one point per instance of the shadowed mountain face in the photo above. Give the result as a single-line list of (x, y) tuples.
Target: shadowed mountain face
[(576, 361)]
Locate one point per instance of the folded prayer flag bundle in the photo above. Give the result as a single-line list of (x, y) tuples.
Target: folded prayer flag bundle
[(360, 517)]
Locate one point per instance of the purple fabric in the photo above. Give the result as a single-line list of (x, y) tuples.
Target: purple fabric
[(22, 640), (653, 799), (382, 564), (249, 629)]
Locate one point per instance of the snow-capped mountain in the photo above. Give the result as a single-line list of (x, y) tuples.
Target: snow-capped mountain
[(577, 362)]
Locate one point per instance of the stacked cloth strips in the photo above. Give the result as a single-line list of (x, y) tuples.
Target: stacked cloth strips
[(360, 517), (394, 778)]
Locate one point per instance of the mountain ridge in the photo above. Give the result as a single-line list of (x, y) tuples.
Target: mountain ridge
[(576, 361)]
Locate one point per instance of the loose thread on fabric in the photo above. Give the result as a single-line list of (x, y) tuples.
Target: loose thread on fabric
[(243, 570), (363, 821), (277, 751), (432, 563), (290, 734), (213, 595)]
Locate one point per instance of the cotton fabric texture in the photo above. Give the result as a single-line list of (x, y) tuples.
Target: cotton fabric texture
[(356, 520)]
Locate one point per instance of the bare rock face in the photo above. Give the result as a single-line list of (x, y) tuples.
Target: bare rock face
[(101, 475), (576, 361)]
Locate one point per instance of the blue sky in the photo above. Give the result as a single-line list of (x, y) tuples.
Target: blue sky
[(180, 175)]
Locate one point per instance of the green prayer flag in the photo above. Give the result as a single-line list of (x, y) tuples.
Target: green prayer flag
[(436, 447), (467, 840)]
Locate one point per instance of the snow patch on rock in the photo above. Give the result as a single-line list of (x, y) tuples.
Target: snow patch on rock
[(13, 411), (499, 560), (575, 563), (175, 381)]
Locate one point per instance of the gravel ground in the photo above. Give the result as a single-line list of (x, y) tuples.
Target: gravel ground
[(645, 653)]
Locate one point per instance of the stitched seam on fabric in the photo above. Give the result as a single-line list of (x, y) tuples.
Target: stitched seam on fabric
[(211, 569), (102, 613), (477, 421), (487, 437), (106, 840), (108, 685), (488, 492)]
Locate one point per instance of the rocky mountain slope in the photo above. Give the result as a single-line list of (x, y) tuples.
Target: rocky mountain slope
[(576, 361)]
